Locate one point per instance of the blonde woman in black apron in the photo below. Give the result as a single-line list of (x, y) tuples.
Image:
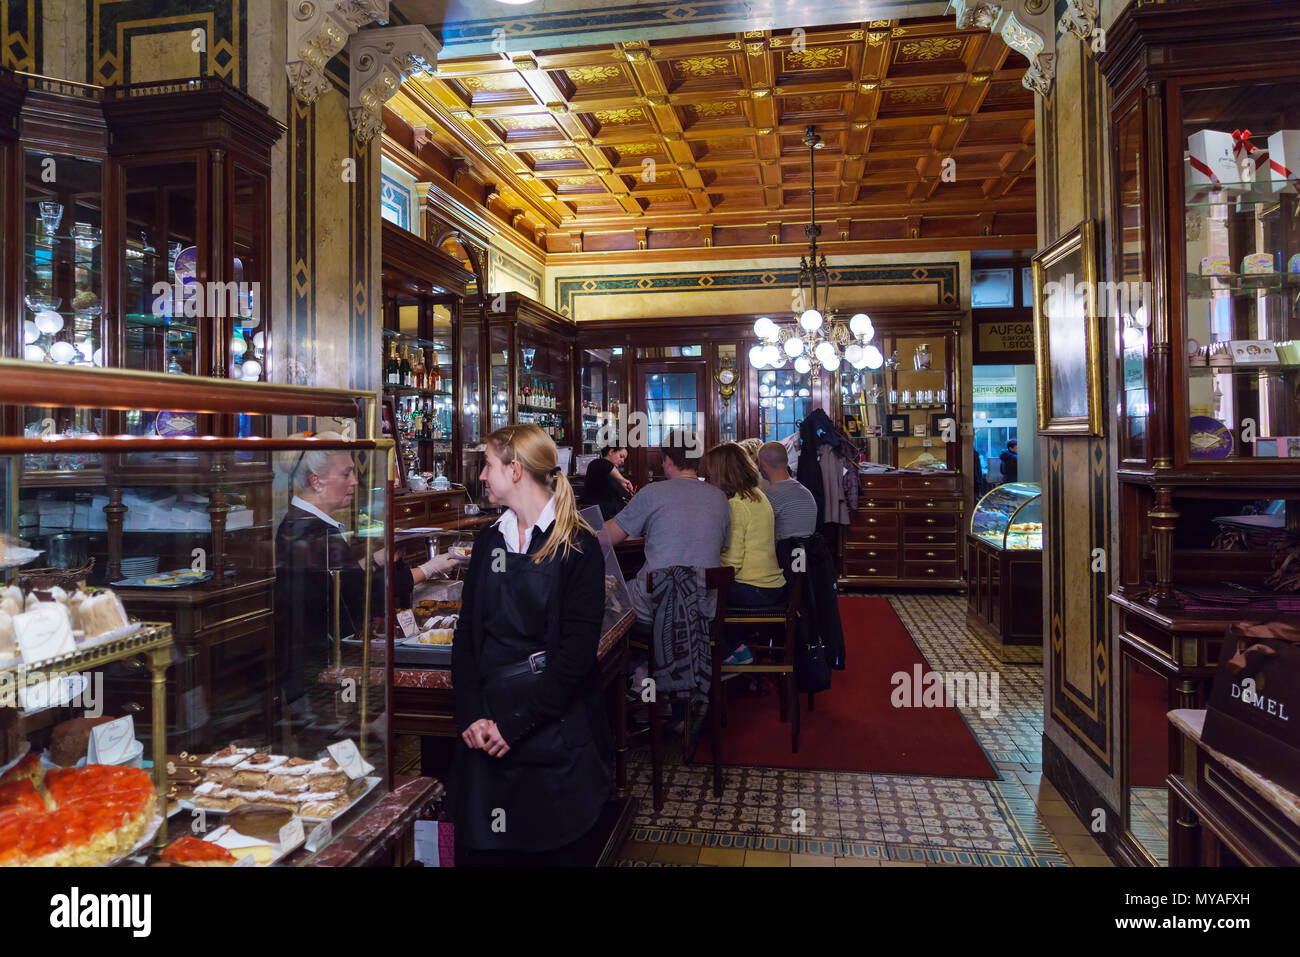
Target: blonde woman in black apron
[(531, 773)]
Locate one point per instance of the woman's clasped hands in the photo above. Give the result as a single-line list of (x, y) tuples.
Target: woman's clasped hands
[(483, 734)]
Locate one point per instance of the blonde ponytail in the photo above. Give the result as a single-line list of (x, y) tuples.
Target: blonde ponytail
[(535, 452)]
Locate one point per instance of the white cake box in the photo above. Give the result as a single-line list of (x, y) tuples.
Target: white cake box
[(1211, 161), (1284, 160)]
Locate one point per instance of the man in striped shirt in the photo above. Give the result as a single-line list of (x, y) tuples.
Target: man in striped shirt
[(794, 506)]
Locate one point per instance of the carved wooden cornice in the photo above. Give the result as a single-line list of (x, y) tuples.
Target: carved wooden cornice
[(382, 59)]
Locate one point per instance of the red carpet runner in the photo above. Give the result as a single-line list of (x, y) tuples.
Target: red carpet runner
[(855, 727)]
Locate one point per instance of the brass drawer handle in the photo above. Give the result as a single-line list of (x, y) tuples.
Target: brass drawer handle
[(871, 554), (871, 521), (929, 554), (929, 504), (929, 571), (133, 707), (929, 521), (929, 538), (926, 483), (871, 571)]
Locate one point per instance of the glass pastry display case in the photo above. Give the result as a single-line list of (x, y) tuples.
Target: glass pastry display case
[(225, 626), (1010, 516), (1005, 560)]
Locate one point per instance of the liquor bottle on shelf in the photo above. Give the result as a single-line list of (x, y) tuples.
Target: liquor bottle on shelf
[(421, 373), (404, 369), (392, 370), (417, 421)]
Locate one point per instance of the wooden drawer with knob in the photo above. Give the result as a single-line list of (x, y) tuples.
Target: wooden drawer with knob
[(931, 555), (873, 521), (931, 483), (937, 570), (940, 521), (858, 568), (929, 536), (870, 553), (879, 483), (410, 513)]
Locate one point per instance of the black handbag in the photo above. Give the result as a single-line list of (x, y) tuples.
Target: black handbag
[(812, 671)]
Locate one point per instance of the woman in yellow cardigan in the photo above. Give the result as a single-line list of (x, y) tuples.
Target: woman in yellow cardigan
[(751, 550)]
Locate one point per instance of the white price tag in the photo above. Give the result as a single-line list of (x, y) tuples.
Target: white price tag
[(426, 843), (346, 755), (320, 836), (291, 835), (111, 742), (246, 861), (406, 620)]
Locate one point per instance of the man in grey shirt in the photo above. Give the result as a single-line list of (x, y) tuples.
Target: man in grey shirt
[(793, 505), (684, 521)]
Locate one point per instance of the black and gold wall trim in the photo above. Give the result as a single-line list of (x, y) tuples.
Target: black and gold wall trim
[(21, 36), (112, 25)]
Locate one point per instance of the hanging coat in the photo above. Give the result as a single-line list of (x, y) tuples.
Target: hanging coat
[(820, 609)]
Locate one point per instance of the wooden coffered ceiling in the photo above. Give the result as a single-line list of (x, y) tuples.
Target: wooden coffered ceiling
[(696, 142)]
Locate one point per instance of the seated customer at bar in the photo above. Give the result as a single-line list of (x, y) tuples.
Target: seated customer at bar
[(604, 485), (751, 548), (684, 521), (793, 506)]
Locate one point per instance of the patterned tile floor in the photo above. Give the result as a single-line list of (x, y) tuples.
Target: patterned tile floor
[(860, 819), (1149, 808)]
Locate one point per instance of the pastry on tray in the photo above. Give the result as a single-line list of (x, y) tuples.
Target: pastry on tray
[(192, 852), (87, 816)]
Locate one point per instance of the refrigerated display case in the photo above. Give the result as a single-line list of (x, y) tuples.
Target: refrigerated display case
[(1005, 557)]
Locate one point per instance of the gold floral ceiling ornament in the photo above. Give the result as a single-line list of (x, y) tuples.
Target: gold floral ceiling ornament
[(930, 48), (552, 155), (875, 39), (517, 123), (492, 82), (524, 63), (594, 75), (636, 149), (756, 49), (915, 94), (815, 58), (823, 101), (699, 67), (619, 117), (656, 99), (722, 108)]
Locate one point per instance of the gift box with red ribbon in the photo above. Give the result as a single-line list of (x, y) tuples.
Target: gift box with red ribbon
[(1253, 715), (1284, 160)]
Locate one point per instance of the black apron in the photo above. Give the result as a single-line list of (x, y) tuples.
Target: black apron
[(541, 792)]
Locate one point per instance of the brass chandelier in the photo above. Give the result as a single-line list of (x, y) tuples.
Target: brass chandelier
[(814, 330)]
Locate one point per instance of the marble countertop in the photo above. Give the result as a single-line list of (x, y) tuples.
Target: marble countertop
[(382, 825), (1191, 721)]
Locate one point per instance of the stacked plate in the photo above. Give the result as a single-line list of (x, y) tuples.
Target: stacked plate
[(135, 567)]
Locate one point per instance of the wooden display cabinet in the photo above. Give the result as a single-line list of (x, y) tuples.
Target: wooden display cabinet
[(530, 366), (1189, 421), (425, 297)]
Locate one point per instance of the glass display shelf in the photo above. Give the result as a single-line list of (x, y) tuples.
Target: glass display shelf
[(1010, 517)]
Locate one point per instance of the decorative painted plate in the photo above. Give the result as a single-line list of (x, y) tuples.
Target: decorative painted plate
[(176, 423), (1209, 438), (187, 265)]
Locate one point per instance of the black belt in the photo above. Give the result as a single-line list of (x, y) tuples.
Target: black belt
[(533, 664)]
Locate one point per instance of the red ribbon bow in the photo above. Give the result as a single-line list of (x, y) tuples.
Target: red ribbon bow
[(1241, 138)]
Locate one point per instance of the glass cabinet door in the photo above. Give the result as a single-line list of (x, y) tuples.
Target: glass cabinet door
[(63, 288), (1131, 259), (499, 375), (246, 302), (471, 405), (1241, 230), (163, 256), (543, 383), (63, 265), (602, 386)]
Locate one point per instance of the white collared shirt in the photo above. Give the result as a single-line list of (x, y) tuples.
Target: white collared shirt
[(509, 525), (312, 509)]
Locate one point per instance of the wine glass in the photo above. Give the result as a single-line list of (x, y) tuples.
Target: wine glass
[(51, 216)]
